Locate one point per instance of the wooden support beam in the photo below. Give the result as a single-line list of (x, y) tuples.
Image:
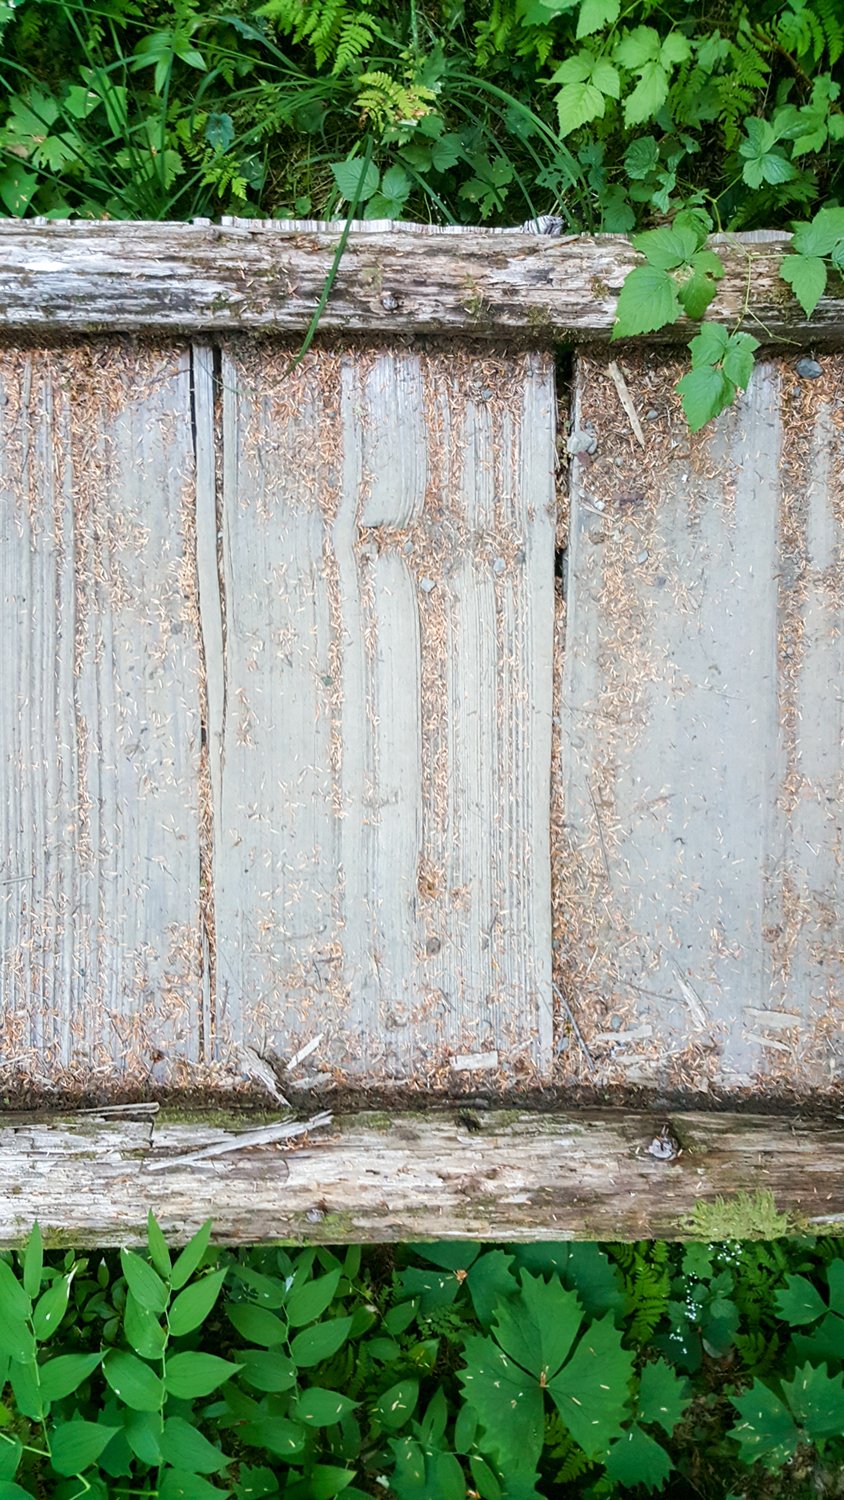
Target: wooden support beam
[(266, 277), (499, 1175)]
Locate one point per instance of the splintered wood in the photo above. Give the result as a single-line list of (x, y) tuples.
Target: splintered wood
[(698, 802), (276, 730)]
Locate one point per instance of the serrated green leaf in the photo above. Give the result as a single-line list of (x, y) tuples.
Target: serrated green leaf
[(489, 1279), (256, 1324), (663, 1396), (824, 1346), (14, 1302), (577, 104), (193, 1305), (636, 1458), (648, 96), (641, 157), (266, 1370), (508, 1402), (705, 392), (143, 1282), (347, 175), (320, 1408), (647, 300), (311, 1300), (820, 236), (638, 47), (595, 15), (710, 345), (190, 1375), (75, 1445), (538, 1328), (51, 1308), (799, 1301), (675, 49), (62, 1376), (806, 274), (698, 291), (191, 1256), (591, 1390), (312, 1345), (33, 1262), (156, 1243), (398, 1404), (817, 1401), (143, 1331), (738, 365), (766, 1430), (667, 249), (185, 1447), (134, 1382)]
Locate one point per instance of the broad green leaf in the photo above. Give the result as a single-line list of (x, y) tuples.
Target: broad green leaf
[(347, 175), (29, 1397), (451, 1255), (824, 1346), (256, 1324), (641, 157), (636, 1458), (400, 1317), (156, 1243), (647, 300), (591, 1390), (16, 1340), (446, 153), (327, 1480), (266, 1370), (180, 1484), (14, 1302), (193, 1305), (485, 1481), (508, 1402), (75, 1445), (637, 48), (11, 1450), (313, 1345), (62, 1376), (255, 1483), (595, 15), (275, 1435), (219, 133), (577, 104), (666, 248), (764, 161), (538, 1328), (595, 1280), (698, 291), (398, 1404), (191, 1256), (705, 392), (433, 1424), (822, 235), (806, 274), (648, 96), (489, 1279), (662, 1396), (312, 1299), (817, 1401), (143, 1282), (190, 1375), (269, 1290), (143, 1331), (835, 1277), (799, 1302), (17, 190), (33, 1262), (143, 1431), (134, 1382), (709, 346), (433, 1288), (51, 1308), (766, 1430), (451, 1482), (320, 1408), (9, 1491), (185, 1447), (674, 49), (738, 360)]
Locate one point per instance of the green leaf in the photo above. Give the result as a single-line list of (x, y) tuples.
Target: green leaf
[(313, 1345), (62, 1376), (667, 248), (274, 1435), (156, 1243), (320, 1408), (186, 1448), (648, 96), (193, 1305), (27, 1391), (33, 1262), (452, 1255), (663, 1396), (134, 1382), (11, 1450), (637, 48), (75, 1445), (509, 1405), (451, 1482), (577, 104), (738, 364), (190, 1375), (14, 1302), (51, 1308), (180, 1484), (698, 291), (806, 275), (764, 161), (647, 300), (142, 1329), (595, 15), (485, 1481), (824, 1345), (709, 346), (16, 1340), (9, 1491), (705, 391), (591, 1390), (835, 1277), (490, 1279), (312, 1299), (255, 1483), (766, 1430), (347, 175), (143, 1432), (267, 1371), (327, 1480), (17, 189), (822, 235), (269, 1290), (191, 1256), (219, 133), (256, 1324), (641, 157), (400, 1317), (799, 1302), (397, 1405), (817, 1401), (538, 1328), (594, 1279), (636, 1458), (144, 1283)]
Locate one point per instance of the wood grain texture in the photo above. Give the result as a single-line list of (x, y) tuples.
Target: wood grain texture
[(585, 1175), (382, 865), (257, 275), (100, 730)]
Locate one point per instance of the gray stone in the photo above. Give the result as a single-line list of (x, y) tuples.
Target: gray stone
[(809, 369)]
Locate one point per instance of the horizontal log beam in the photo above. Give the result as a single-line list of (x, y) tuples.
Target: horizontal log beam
[(105, 277), (91, 1179)]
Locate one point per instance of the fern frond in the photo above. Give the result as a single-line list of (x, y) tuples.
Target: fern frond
[(355, 39), (561, 1446), (828, 13)]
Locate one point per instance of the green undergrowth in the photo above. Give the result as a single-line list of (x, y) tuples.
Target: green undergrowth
[(430, 1372)]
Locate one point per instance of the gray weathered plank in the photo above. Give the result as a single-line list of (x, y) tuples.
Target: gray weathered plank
[(255, 275), (99, 737), (584, 1175), (702, 753), (382, 864)]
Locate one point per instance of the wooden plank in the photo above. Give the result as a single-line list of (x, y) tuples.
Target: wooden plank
[(702, 752), (382, 868), (256, 275), (99, 738), (381, 1177)]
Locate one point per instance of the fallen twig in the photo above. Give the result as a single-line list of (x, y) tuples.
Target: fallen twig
[(267, 1135), (626, 400), (570, 1013)]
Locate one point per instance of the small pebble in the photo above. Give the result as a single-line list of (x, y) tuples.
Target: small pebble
[(426, 585), (499, 565), (652, 415), (619, 461), (408, 547), (315, 1216), (808, 369), (486, 395), (581, 442), (598, 504), (615, 1023), (521, 555), (643, 557)]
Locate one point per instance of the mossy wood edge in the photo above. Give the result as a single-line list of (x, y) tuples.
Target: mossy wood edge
[(380, 1176), (78, 277)]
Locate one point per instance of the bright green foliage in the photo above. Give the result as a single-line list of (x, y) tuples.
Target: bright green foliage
[(721, 362)]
